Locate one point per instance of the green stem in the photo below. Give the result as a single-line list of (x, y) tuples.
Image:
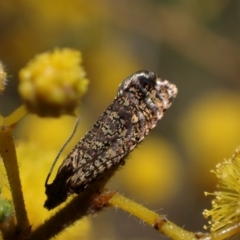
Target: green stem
[(155, 220), (15, 116), (8, 153)]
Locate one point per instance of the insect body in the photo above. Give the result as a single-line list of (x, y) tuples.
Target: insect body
[(141, 101)]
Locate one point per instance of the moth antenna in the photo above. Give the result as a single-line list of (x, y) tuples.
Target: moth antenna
[(61, 150)]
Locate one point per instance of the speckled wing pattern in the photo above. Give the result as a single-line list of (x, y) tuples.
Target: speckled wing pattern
[(141, 101)]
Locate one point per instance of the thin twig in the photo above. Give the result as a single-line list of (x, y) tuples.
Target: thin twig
[(15, 116), (155, 220), (9, 157), (77, 208)]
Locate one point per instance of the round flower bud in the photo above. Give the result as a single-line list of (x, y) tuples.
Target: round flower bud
[(6, 209), (53, 82)]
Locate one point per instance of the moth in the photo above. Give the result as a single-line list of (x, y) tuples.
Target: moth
[(141, 101)]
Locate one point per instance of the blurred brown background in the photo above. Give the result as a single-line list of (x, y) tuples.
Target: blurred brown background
[(194, 44)]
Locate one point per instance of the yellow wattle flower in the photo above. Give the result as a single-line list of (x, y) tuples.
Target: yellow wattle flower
[(226, 205), (53, 82)]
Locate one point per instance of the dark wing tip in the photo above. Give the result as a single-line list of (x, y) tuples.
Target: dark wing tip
[(55, 196)]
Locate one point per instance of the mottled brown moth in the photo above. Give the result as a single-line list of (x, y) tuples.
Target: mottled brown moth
[(141, 101)]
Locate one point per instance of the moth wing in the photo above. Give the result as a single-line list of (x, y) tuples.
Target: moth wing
[(105, 145)]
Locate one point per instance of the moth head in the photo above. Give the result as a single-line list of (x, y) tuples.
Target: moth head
[(143, 84)]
